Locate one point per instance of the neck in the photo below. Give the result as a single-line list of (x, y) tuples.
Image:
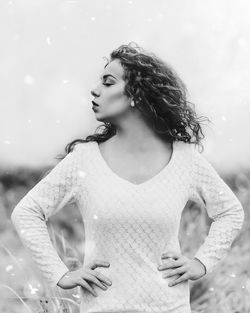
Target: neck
[(134, 133)]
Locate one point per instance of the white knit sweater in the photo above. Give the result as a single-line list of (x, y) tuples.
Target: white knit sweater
[(129, 225)]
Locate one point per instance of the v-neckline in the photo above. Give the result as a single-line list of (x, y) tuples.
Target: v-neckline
[(109, 170)]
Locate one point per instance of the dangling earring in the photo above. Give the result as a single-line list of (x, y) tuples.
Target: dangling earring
[(132, 103)]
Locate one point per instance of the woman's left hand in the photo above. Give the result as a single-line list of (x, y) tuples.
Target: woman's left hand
[(179, 264)]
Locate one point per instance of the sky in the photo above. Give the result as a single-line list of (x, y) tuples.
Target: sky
[(53, 52)]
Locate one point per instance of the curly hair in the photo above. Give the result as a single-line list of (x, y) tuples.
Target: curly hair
[(158, 93)]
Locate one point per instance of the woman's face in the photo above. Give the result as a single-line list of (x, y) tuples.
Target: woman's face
[(109, 94)]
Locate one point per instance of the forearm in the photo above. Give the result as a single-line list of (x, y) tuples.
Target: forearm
[(33, 232)]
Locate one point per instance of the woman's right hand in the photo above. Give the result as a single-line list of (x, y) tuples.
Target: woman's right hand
[(83, 276)]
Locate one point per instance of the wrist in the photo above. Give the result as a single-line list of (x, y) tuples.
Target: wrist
[(205, 269), (62, 277)]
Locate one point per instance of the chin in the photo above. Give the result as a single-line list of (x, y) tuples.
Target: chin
[(104, 118), (100, 118)]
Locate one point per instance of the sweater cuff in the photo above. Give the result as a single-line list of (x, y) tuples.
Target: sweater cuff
[(208, 262), (57, 276), (202, 264)]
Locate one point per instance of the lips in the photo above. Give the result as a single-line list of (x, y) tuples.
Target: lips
[(95, 106)]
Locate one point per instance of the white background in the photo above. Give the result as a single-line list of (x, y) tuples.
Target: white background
[(51, 55)]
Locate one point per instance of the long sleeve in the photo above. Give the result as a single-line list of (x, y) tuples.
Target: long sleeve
[(222, 206), (46, 198)]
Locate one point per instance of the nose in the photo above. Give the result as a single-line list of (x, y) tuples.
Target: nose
[(94, 92)]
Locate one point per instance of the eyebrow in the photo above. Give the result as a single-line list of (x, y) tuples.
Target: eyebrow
[(104, 76)]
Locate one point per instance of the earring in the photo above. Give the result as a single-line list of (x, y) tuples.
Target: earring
[(132, 103)]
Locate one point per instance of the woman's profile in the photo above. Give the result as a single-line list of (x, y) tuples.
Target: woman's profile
[(131, 182)]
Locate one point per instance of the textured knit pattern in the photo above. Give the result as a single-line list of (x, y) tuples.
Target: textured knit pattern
[(129, 225)]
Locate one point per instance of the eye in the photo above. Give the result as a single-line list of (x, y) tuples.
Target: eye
[(107, 84)]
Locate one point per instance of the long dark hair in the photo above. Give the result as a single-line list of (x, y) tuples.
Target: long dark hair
[(158, 93)]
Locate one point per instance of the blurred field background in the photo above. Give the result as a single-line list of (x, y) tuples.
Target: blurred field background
[(23, 289), (51, 56)]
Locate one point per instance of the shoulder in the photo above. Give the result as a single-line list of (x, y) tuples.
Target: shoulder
[(191, 157), (83, 147), (202, 166), (183, 146), (190, 148), (82, 153), (192, 151), (79, 152), (185, 151)]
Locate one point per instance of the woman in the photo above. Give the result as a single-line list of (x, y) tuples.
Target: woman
[(131, 183)]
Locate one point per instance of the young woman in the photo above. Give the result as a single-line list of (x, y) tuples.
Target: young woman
[(131, 183)]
